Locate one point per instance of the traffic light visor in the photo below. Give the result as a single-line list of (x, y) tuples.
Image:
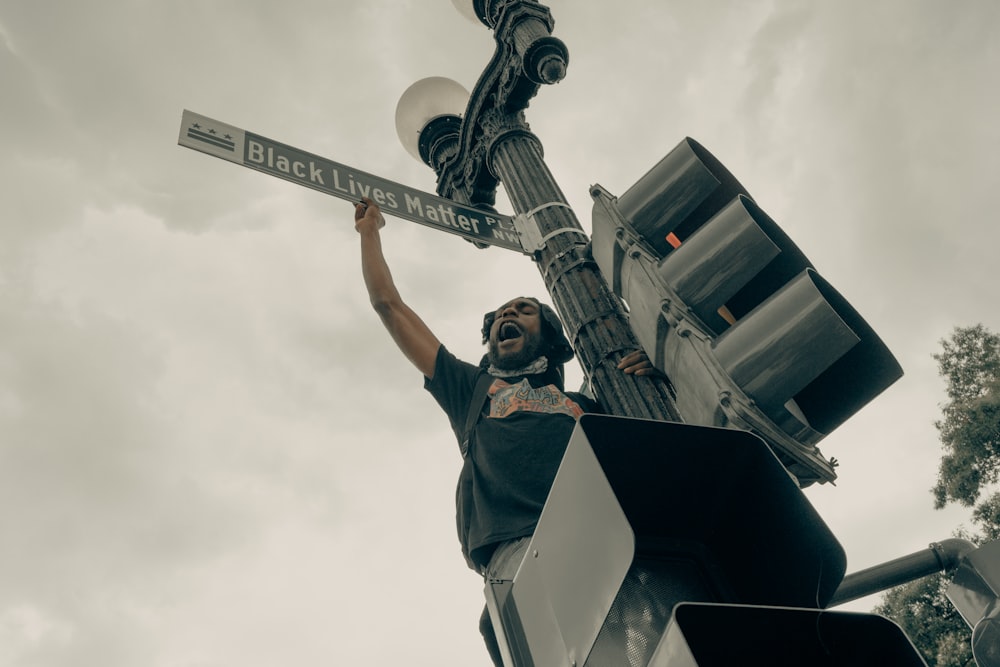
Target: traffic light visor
[(713, 635)]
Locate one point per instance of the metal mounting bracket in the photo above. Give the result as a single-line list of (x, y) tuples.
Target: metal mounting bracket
[(531, 239)]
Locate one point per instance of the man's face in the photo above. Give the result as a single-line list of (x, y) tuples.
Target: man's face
[(516, 334)]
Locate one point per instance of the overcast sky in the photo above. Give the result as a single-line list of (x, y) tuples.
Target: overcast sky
[(210, 452)]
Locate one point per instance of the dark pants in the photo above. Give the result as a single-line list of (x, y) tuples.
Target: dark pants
[(490, 637)]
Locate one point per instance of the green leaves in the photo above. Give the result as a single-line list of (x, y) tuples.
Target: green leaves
[(930, 621), (970, 435), (970, 427)]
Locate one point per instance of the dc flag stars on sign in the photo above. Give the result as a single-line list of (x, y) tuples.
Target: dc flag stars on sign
[(211, 136)]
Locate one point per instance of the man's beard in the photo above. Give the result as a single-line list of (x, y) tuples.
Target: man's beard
[(530, 350)]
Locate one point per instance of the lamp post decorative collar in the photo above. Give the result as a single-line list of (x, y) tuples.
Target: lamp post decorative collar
[(527, 56)]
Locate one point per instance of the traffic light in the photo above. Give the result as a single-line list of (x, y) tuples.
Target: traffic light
[(781, 636), (725, 304), (646, 517), (975, 592)]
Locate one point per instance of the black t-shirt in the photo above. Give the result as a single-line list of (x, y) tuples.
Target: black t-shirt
[(513, 454)]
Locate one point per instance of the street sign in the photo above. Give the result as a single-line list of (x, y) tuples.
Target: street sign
[(256, 152)]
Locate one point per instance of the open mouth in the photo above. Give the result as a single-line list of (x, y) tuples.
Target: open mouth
[(509, 331)]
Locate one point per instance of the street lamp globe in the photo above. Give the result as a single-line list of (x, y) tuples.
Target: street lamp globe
[(428, 111), (468, 9)]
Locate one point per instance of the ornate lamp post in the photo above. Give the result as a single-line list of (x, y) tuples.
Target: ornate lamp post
[(491, 144)]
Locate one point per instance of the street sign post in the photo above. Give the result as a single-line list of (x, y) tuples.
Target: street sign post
[(256, 152)]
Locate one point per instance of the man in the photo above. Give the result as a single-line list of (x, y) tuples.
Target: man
[(510, 414)]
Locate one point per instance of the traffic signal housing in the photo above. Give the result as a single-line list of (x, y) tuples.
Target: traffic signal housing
[(728, 307), (781, 636), (661, 540), (975, 592)]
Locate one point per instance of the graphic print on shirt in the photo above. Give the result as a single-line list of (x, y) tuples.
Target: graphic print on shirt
[(522, 397)]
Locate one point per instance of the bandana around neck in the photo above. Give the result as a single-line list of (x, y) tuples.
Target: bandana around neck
[(539, 365)]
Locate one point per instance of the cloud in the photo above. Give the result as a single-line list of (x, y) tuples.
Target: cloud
[(211, 451), (104, 509)]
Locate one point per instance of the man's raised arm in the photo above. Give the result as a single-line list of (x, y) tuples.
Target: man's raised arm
[(413, 337)]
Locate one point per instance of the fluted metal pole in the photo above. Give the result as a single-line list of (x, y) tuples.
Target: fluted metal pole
[(494, 146), (594, 319)]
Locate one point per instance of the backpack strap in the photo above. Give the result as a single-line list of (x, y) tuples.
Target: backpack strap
[(479, 393)]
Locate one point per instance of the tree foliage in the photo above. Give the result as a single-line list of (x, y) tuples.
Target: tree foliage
[(970, 426), (923, 611), (930, 621), (986, 518), (969, 429)]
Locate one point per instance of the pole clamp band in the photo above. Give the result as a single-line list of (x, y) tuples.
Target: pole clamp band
[(531, 239)]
